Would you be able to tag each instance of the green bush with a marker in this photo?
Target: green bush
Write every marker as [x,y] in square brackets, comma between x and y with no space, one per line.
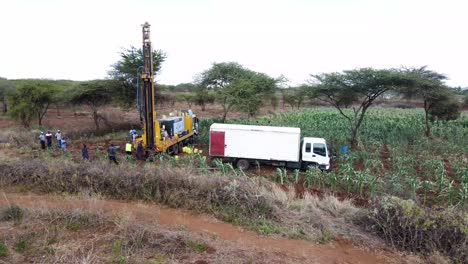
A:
[3,250]
[405,225]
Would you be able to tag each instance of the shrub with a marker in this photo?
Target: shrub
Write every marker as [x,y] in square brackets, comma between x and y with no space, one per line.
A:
[13,213]
[405,225]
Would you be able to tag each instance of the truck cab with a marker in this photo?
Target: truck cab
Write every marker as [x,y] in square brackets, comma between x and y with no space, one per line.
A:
[315,153]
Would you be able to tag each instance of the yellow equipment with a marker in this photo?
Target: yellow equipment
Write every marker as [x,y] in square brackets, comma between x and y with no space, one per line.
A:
[165,134]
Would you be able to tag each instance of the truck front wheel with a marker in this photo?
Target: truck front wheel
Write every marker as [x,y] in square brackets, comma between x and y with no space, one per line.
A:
[243,164]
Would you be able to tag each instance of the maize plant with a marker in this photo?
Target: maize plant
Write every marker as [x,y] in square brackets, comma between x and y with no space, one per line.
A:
[282,175]
[427,187]
[223,167]
[373,184]
[450,193]
[296,176]
[464,193]
[313,177]
[414,184]
[332,180]
[394,183]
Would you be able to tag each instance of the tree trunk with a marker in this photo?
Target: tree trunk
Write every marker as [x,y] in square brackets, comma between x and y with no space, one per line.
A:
[354,141]
[224,115]
[96,120]
[5,108]
[203,107]
[39,119]
[58,109]
[355,128]
[41,114]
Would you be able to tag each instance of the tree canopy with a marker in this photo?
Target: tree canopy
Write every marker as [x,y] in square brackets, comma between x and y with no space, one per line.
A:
[31,99]
[357,90]
[237,87]
[427,85]
[5,87]
[95,94]
[127,69]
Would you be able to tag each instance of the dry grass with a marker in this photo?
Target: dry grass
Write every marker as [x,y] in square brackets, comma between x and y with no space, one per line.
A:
[186,187]
[318,219]
[90,236]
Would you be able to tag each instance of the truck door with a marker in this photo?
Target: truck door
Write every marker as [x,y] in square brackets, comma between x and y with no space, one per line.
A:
[314,152]
[216,143]
[319,153]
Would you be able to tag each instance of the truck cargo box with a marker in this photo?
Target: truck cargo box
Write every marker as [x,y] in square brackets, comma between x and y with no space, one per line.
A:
[255,142]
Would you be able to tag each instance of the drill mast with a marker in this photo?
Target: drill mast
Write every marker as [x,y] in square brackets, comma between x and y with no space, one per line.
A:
[147,76]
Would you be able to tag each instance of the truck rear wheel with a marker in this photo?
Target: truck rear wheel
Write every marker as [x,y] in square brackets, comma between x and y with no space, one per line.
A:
[243,164]
[181,146]
[175,149]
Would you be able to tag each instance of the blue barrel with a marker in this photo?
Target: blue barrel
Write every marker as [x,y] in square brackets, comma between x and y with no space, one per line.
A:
[344,149]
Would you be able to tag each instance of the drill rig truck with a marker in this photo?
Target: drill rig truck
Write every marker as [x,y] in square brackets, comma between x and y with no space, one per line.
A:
[166,134]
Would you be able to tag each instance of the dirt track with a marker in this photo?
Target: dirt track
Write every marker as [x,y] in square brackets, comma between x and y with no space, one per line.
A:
[336,252]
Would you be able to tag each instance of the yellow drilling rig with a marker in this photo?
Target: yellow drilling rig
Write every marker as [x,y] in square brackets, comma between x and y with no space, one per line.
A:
[170,133]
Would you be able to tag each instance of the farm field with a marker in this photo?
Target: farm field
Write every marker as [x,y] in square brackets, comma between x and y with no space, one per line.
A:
[393,159]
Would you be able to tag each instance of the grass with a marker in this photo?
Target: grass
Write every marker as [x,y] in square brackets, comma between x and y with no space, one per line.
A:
[3,250]
[196,246]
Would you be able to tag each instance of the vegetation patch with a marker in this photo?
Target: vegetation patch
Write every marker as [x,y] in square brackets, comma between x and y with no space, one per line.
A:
[3,250]
[196,246]
[405,225]
[12,213]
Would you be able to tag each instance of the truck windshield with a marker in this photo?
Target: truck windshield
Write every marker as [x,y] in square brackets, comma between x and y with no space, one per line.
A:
[320,149]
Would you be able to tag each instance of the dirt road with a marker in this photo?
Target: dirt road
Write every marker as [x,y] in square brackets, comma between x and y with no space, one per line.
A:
[146,213]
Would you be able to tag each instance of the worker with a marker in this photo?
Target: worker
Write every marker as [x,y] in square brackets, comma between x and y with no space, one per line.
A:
[58,136]
[48,137]
[63,144]
[42,140]
[128,148]
[195,120]
[84,152]
[140,151]
[190,113]
[111,151]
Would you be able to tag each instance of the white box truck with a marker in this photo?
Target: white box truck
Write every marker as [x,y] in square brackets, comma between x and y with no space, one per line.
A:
[278,146]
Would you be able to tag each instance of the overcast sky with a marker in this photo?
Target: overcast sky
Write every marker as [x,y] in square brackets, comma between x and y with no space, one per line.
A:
[79,40]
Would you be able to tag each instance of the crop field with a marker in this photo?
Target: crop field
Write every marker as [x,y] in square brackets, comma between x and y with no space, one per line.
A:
[369,194]
[394,157]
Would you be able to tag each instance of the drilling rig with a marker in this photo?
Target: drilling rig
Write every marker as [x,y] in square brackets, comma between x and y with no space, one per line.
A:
[170,133]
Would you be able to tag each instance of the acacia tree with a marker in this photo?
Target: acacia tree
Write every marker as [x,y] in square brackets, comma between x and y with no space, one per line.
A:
[31,99]
[294,96]
[203,97]
[94,94]
[429,86]
[237,87]
[357,90]
[5,87]
[126,72]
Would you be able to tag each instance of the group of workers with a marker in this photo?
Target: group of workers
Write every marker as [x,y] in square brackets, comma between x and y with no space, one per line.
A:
[46,140]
